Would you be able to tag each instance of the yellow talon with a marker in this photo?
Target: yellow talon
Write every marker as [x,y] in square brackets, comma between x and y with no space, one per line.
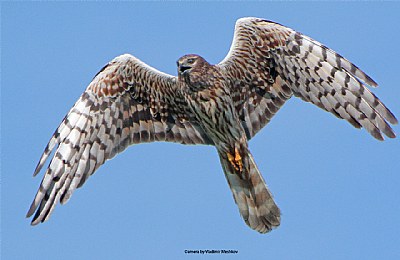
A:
[236,160]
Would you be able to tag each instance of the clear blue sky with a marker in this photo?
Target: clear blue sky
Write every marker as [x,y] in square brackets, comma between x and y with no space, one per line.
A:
[338,188]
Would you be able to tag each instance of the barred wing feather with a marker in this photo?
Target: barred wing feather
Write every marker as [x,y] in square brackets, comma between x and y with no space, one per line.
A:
[127,103]
[268,63]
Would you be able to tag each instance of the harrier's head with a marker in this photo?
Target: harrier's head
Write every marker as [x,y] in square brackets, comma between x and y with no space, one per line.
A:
[189,62]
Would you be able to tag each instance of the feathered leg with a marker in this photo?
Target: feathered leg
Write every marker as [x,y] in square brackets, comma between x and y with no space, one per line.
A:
[250,192]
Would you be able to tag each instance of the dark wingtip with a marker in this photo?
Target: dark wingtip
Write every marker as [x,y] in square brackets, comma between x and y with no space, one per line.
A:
[377,135]
[392,119]
[391,135]
[37,170]
[370,81]
[36,219]
[31,210]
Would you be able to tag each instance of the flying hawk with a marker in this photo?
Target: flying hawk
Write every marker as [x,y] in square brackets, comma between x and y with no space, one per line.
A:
[224,105]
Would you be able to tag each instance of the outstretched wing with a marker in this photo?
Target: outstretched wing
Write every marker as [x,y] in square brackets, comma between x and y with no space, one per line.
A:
[268,62]
[127,103]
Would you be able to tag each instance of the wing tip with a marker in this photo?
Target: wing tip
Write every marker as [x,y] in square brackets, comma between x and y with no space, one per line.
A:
[41,162]
[378,135]
[37,170]
[36,221]
[370,81]
[32,209]
[392,118]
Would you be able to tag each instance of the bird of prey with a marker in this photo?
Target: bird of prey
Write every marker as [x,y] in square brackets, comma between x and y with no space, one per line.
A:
[224,105]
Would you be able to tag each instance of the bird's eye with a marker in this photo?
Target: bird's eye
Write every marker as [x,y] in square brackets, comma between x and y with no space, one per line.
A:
[190,61]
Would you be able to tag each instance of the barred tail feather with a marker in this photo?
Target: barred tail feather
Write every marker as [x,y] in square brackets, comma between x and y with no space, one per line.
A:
[251,194]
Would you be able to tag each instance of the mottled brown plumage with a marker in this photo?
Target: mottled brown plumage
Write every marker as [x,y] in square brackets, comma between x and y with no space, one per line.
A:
[223,105]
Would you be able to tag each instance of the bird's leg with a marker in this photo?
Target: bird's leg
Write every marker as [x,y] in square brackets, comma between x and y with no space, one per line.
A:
[236,160]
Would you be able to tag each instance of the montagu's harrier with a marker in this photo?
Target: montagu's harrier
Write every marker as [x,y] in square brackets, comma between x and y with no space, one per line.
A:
[224,105]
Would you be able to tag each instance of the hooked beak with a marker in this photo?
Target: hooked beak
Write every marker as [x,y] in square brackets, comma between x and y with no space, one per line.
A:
[183,68]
